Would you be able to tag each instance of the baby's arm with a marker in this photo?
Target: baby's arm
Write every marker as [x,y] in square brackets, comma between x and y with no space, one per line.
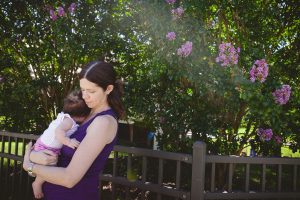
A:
[60,133]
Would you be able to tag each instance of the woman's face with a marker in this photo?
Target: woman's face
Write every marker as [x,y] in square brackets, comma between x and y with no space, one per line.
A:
[93,95]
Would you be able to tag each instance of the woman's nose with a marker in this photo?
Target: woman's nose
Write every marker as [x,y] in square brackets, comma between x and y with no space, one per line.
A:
[84,95]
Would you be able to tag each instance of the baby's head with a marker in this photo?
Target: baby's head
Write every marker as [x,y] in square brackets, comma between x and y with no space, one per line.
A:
[75,106]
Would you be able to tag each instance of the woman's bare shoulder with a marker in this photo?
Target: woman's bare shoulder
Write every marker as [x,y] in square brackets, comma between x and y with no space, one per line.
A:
[104,125]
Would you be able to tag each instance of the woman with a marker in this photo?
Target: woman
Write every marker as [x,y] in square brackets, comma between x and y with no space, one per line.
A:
[76,176]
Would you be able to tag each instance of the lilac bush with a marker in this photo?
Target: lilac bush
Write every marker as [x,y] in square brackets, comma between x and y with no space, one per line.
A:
[228,55]
[53,16]
[171,36]
[234,105]
[61,12]
[265,134]
[72,8]
[282,95]
[259,71]
[185,49]
[177,12]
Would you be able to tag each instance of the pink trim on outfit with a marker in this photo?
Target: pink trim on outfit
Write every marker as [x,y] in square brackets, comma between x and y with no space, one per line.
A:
[39,145]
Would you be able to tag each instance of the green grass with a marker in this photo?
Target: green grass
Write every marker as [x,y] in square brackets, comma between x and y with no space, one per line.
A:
[13,146]
[285,152]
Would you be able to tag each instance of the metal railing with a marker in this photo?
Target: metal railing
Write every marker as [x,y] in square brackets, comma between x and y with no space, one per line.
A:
[137,173]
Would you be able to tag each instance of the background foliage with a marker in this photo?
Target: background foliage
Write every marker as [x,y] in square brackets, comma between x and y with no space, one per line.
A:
[40,56]
[165,92]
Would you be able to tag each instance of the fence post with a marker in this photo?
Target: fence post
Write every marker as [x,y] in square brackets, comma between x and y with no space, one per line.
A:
[198,171]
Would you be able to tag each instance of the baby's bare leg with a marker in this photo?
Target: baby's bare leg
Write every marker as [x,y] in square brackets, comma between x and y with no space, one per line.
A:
[37,188]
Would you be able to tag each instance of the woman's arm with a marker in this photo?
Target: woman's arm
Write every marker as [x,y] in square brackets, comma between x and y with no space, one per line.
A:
[99,133]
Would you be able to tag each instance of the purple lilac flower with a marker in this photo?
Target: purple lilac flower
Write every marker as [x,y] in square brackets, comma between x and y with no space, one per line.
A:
[265,135]
[259,71]
[170,1]
[53,16]
[171,36]
[228,55]
[60,11]
[1,79]
[282,95]
[185,49]
[177,13]
[72,8]
[278,139]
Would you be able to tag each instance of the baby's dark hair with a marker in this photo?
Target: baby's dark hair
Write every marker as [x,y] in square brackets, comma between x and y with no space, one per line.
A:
[75,106]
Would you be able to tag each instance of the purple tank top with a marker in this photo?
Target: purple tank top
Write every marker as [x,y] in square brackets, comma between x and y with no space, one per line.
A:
[87,187]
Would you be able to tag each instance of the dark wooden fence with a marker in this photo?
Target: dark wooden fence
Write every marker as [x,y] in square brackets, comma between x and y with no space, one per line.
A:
[14,182]
[137,173]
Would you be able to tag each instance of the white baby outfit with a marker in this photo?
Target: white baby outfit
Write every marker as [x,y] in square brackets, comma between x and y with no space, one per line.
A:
[48,138]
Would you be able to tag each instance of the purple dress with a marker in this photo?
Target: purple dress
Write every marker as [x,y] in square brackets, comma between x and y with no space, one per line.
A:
[87,187]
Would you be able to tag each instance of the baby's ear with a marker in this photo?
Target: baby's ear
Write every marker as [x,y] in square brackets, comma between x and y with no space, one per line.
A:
[109,89]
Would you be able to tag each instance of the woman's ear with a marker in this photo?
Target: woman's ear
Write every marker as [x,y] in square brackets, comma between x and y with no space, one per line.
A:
[109,89]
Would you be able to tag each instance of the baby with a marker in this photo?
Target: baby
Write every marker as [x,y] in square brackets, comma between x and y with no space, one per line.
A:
[59,131]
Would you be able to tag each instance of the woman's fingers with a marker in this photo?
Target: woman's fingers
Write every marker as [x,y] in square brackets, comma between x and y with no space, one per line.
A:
[26,160]
[28,150]
[29,147]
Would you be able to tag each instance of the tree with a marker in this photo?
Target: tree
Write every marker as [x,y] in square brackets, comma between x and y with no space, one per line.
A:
[220,105]
[166,52]
[43,45]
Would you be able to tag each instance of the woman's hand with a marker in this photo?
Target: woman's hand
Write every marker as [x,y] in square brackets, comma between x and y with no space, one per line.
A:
[26,161]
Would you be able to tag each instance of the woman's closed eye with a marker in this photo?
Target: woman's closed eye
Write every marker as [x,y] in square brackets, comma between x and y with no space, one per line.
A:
[88,91]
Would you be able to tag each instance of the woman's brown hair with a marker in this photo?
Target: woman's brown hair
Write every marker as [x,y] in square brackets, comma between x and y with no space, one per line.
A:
[103,74]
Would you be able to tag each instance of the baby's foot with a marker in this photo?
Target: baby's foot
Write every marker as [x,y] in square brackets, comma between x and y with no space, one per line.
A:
[37,190]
